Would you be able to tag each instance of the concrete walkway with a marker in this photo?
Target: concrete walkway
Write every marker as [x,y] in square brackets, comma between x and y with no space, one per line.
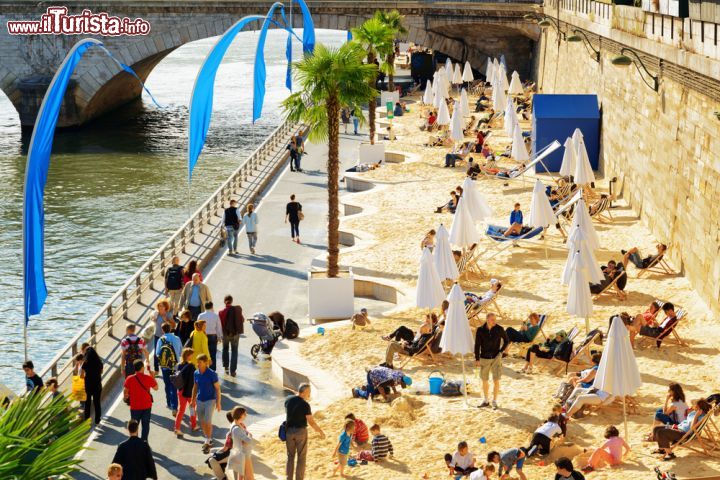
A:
[272,279]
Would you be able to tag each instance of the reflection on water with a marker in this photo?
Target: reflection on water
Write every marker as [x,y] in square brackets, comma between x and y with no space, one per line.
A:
[118,188]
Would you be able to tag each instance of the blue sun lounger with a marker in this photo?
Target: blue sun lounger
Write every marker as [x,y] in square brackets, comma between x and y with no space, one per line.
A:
[496,233]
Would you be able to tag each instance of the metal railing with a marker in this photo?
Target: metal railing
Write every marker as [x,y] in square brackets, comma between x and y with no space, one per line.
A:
[131,293]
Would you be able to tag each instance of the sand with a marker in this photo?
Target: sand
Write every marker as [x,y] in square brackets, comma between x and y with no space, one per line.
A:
[424,427]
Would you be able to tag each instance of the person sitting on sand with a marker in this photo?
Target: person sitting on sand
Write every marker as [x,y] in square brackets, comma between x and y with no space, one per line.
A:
[582,397]
[451,205]
[516,222]
[382,381]
[557,410]
[542,438]
[360,320]
[381,447]
[474,169]
[398,111]
[506,460]
[389,135]
[361,437]
[564,470]
[429,124]
[403,333]
[528,330]
[633,255]
[610,453]
[428,241]
[653,329]
[611,271]
[461,462]
[667,435]
[485,473]
[546,350]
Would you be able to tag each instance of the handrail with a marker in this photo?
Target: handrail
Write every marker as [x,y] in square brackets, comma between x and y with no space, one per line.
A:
[131,292]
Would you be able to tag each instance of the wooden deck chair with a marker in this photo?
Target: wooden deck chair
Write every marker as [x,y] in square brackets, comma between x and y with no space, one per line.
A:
[520,174]
[425,350]
[465,258]
[541,324]
[613,289]
[601,209]
[572,335]
[581,356]
[705,439]
[669,330]
[658,265]
[474,310]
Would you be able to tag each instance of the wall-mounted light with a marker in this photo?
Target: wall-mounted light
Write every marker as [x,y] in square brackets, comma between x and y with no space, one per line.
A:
[580,36]
[629,56]
[545,22]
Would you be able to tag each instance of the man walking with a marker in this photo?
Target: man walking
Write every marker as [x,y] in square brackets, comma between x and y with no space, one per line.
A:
[135,456]
[168,351]
[136,392]
[298,416]
[132,348]
[250,220]
[233,325]
[195,295]
[232,226]
[174,285]
[33,381]
[490,343]
[213,330]
[205,398]
[293,211]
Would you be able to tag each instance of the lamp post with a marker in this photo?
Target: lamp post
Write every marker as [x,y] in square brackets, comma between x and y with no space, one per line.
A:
[580,36]
[624,60]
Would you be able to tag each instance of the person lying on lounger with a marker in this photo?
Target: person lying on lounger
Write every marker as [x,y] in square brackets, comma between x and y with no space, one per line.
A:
[441,140]
[516,222]
[546,350]
[403,333]
[528,330]
[633,255]
[458,153]
[585,378]
[610,271]
[495,286]
[653,329]
[666,435]
[451,205]
[584,397]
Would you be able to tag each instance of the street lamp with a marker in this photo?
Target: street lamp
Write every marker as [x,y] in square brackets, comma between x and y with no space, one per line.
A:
[624,60]
[544,22]
[580,36]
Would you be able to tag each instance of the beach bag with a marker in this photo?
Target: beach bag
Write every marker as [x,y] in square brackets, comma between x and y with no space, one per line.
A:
[166,356]
[301,216]
[177,379]
[292,330]
[564,350]
[452,388]
[564,391]
[282,431]
[77,391]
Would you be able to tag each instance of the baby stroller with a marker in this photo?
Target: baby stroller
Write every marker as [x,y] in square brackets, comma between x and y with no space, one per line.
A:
[267,331]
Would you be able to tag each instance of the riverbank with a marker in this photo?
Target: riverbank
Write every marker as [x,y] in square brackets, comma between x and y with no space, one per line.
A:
[403,214]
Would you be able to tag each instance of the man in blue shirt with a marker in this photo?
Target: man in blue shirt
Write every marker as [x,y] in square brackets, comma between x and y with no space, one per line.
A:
[516,222]
[168,351]
[205,396]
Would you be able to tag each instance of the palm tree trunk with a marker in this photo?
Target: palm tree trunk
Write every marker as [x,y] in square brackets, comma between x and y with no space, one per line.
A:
[391,77]
[372,104]
[333,166]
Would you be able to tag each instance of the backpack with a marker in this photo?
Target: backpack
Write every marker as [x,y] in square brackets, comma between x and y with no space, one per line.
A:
[291,329]
[173,278]
[177,379]
[564,350]
[167,358]
[282,431]
[452,388]
[132,352]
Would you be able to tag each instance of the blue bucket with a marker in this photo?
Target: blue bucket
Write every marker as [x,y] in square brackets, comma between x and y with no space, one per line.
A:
[436,383]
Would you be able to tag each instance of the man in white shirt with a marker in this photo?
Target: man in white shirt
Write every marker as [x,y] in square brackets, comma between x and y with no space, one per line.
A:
[213,330]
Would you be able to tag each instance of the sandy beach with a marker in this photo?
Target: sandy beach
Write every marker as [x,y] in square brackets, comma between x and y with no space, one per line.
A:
[422,427]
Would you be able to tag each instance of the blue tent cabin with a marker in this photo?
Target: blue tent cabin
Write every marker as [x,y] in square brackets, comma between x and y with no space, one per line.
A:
[555,117]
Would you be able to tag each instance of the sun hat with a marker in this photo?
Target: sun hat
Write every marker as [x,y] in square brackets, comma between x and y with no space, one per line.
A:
[407,380]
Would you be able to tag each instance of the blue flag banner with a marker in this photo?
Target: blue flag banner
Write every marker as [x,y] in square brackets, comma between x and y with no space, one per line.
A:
[36,171]
[349,36]
[201,99]
[288,55]
[308,28]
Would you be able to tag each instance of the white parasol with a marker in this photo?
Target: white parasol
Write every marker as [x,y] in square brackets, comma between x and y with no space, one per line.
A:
[577,242]
[510,117]
[464,103]
[581,220]
[489,70]
[448,68]
[583,170]
[456,124]
[519,151]
[567,167]
[462,231]
[467,75]
[579,302]
[443,257]
[541,212]
[457,75]
[428,97]
[430,292]
[516,87]
[456,337]
[476,204]
[443,114]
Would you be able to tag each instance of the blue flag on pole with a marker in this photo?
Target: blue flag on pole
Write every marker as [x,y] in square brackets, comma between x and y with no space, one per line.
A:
[288,55]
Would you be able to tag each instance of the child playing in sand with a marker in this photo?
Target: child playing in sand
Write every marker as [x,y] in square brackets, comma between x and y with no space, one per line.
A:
[381,447]
[342,449]
[542,437]
[361,437]
[506,460]
[462,461]
[610,453]
[484,473]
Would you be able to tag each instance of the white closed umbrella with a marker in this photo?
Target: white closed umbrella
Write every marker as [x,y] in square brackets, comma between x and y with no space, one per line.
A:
[579,302]
[489,70]
[436,75]
[443,257]
[467,75]
[439,98]
[464,103]
[579,243]
[583,170]
[582,221]
[618,372]
[515,87]
[502,61]
[457,337]
[499,101]
[519,151]
[428,96]
[443,114]
[462,231]
[541,212]
[442,84]
[502,81]
[456,124]
[567,167]
[430,292]
[457,75]
[510,117]
[479,208]
[448,68]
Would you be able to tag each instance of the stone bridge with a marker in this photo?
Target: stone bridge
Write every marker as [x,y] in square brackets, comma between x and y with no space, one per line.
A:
[463,30]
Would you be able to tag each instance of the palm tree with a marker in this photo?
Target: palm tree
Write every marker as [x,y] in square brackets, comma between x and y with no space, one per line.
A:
[394,20]
[377,39]
[329,80]
[39,438]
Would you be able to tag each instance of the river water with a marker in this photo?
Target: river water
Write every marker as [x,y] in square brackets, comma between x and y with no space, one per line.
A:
[118,188]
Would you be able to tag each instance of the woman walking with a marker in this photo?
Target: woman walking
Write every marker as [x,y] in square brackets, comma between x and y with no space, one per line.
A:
[250,220]
[186,370]
[92,368]
[240,460]
[293,214]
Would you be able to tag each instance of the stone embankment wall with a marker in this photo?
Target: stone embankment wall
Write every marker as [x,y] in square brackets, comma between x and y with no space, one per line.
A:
[664,147]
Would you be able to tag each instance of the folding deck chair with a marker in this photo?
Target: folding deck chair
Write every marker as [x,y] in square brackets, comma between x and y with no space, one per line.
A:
[465,259]
[425,350]
[581,354]
[539,156]
[668,330]
[601,209]
[613,289]
[658,265]
[474,310]
[705,439]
